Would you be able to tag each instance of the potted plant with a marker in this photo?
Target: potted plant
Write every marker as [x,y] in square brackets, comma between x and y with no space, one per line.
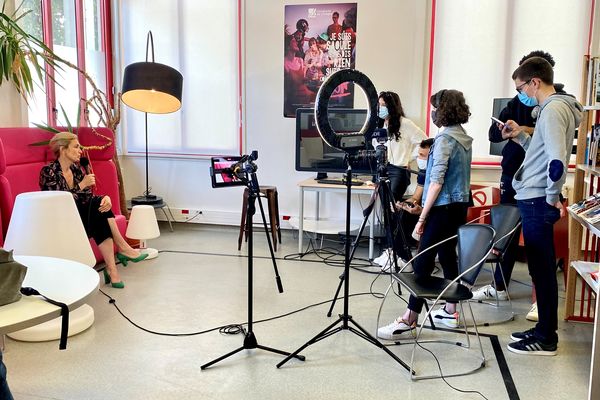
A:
[22,58]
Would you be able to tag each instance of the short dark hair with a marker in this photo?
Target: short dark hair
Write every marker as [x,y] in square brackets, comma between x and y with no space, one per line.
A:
[535,67]
[426,143]
[539,53]
[452,109]
[335,14]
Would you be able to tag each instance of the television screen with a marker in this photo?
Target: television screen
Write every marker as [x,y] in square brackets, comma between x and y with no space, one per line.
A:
[313,154]
[498,105]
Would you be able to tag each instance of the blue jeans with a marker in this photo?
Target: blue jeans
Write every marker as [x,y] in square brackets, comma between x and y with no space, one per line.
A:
[4,390]
[538,219]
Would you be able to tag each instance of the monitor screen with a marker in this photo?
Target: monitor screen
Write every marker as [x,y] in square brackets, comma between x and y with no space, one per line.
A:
[313,154]
[498,105]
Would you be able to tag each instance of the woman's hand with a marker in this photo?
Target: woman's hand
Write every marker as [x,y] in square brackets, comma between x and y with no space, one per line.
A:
[105,204]
[420,227]
[87,181]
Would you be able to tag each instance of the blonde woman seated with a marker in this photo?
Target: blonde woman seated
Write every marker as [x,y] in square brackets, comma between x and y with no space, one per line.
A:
[95,211]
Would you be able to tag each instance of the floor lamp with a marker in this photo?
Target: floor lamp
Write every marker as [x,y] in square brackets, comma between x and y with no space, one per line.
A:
[153,88]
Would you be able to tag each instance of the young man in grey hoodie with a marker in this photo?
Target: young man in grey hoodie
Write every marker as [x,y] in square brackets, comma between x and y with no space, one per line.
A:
[538,184]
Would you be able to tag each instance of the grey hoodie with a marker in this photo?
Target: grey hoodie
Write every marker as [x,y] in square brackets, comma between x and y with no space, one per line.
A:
[544,169]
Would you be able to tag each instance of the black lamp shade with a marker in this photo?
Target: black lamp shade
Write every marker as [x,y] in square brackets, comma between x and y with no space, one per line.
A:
[152,87]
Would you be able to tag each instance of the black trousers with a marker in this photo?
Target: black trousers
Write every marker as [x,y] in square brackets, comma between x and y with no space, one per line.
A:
[442,223]
[95,222]
[539,218]
[399,181]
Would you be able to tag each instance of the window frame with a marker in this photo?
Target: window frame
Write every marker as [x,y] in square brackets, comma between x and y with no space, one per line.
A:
[106,42]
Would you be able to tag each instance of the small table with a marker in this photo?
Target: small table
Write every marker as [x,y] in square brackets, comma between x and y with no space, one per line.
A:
[62,280]
[161,205]
[313,186]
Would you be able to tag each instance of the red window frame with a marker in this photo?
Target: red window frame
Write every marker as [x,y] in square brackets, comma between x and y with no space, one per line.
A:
[105,15]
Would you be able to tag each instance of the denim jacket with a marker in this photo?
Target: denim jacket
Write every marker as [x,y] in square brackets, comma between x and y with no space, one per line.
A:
[449,164]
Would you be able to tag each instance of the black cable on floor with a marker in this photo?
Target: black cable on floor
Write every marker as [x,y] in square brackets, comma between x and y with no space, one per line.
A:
[230,329]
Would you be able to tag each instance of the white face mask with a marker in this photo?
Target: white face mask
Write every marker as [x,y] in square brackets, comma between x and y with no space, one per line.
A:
[422,163]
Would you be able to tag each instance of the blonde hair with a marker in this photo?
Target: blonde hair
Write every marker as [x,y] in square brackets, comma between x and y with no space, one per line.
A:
[60,140]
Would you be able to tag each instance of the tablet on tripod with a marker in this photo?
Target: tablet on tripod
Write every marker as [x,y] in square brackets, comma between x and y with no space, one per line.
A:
[227,171]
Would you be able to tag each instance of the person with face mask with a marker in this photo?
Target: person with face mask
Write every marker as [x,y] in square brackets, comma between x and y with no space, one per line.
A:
[520,110]
[404,138]
[446,197]
[538,184]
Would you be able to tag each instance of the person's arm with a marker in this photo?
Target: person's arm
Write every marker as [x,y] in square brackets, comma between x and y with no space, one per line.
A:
[432,194]
[555,147]
[441,155]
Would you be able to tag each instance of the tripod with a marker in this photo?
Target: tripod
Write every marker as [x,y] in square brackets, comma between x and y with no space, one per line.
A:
[384,193]
[250,341]
[345,319]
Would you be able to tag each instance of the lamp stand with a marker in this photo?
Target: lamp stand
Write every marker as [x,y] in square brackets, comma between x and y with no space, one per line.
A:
[146,198]
[152,253]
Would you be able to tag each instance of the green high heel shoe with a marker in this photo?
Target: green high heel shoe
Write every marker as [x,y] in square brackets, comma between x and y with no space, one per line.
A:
[116,285]
[124,259]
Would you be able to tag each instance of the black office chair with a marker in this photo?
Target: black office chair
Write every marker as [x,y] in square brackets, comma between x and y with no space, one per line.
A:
[506,221]
[474,246]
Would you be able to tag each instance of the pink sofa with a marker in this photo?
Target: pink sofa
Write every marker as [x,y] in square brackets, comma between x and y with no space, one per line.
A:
[20,166]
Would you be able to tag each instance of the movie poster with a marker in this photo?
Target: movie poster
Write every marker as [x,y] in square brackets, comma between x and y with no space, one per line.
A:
[319,39]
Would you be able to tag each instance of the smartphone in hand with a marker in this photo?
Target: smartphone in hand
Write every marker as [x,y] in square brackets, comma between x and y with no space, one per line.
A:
[496,120]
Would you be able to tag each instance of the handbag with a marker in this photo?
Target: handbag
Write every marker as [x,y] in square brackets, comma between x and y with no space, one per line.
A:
[12,275]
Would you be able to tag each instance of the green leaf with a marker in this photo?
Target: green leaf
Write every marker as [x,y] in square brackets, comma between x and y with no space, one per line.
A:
[47,128]
[43,143]
[69,127]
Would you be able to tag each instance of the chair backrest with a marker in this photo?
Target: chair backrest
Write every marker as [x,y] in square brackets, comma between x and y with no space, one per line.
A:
[504,218]
[474,243]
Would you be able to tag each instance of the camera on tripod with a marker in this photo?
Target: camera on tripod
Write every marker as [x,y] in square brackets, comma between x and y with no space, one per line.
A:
[232,170]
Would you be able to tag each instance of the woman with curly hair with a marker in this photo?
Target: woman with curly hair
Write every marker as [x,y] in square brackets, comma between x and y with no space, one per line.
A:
[446,197]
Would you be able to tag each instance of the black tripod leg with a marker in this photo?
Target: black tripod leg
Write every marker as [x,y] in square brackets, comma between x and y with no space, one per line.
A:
[321,335]
[367,336]
[216,360]
[264,220]
[284,353]
[361,229]
[335,296]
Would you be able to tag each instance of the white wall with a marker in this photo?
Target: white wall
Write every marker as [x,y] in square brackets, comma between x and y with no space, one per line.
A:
[392,49]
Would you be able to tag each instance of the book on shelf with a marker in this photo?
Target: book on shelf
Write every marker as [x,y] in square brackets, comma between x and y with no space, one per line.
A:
[593,82]
[585,204]
[593,156]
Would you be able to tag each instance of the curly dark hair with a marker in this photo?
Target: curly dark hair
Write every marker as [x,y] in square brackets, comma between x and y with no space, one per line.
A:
[394,106]
[451,107]
[539,53]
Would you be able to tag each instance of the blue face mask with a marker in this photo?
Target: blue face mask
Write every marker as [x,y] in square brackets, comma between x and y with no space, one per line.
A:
[383,112]
[528,101]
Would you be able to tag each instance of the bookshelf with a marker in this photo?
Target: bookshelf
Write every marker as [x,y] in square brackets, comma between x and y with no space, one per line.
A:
[584,235]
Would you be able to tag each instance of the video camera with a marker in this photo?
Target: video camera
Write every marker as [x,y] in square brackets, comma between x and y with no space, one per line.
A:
[232,170]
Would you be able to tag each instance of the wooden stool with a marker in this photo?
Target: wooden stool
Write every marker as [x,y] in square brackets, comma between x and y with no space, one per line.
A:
[270,192]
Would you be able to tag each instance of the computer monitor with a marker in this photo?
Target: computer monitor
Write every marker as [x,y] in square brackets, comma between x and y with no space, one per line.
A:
[498,105]
[313,154]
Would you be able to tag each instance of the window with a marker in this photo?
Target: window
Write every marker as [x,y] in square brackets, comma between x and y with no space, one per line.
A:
[76,30]
[199,38]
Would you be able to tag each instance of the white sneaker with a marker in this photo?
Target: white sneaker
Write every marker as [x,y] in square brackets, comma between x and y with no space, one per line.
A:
[532,315]
[488,292]
[440,316]
[382,259]
[396,330]
[387,268]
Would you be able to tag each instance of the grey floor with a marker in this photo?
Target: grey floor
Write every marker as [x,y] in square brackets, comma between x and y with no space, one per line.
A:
[198,282]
